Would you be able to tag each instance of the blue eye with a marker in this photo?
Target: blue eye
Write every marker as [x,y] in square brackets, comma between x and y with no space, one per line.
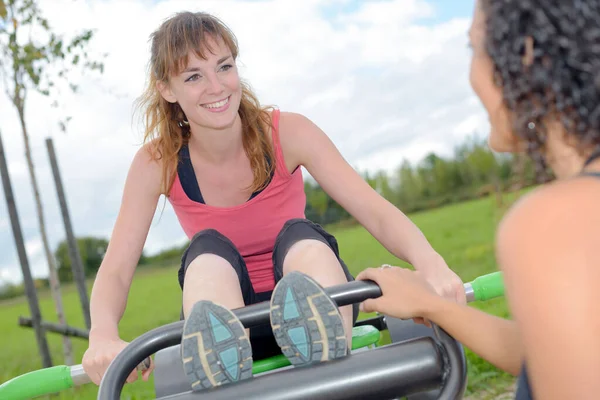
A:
[226,67]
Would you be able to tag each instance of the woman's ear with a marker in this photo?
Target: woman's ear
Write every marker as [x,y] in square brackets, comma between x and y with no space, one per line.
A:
[166,92]
[528,54]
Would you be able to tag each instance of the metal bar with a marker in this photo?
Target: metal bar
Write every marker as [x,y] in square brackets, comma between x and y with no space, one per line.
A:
[455,362]
[469,292]
[170,334]
[387,372]
[78,375]
[378,322]
[343,295]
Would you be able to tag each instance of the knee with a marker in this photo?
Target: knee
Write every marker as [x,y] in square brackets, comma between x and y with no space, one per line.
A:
[208,234]
[209,239]
[212,243]
[308,248]
[298,228]
[302,236]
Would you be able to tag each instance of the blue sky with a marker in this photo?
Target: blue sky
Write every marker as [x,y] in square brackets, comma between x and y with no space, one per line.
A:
[448,9]
[444,10]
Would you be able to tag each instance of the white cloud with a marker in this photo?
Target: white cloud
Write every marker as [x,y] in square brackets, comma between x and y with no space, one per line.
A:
[382,86]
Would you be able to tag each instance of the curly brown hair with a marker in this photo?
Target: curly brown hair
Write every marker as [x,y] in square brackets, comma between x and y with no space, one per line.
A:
[560,82]
[165,123]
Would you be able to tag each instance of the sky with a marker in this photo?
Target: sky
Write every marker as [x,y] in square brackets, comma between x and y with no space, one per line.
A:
[387,80]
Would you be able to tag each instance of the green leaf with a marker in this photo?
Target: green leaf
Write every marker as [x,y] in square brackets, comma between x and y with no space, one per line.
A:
[3,12]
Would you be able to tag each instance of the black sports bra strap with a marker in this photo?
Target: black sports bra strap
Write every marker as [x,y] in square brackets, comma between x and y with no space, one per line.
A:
[595,154]
[590,173]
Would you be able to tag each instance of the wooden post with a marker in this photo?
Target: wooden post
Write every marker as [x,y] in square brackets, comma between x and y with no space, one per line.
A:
[64,330]
[30,291]
[74,255]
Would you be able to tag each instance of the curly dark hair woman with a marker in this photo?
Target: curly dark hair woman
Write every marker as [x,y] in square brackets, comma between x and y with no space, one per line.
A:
[546,60]
[536,69]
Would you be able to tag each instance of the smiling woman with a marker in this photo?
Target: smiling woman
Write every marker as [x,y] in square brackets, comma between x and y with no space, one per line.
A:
[231,170]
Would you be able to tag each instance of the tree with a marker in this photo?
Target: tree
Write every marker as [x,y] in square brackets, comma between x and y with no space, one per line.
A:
[34,58]
[92,252]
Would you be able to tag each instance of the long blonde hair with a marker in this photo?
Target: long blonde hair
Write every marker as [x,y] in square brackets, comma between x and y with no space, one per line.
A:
[165,124]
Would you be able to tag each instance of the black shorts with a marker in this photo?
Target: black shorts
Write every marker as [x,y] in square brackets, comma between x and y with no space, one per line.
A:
[213,242]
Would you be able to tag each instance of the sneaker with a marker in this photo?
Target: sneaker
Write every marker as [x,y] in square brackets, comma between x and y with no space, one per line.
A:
[306,322]
[215,349]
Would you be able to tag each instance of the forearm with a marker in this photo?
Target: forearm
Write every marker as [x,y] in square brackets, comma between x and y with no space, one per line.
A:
[401,237]
[494,339]
[107,305]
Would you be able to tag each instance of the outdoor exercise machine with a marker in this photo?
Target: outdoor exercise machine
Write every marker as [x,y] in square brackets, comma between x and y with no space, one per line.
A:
[420,362]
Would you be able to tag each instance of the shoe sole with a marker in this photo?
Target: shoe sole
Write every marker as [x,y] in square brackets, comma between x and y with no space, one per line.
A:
[306,322]
[215,349]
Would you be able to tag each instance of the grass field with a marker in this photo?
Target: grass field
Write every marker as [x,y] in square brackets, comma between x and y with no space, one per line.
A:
[462,233]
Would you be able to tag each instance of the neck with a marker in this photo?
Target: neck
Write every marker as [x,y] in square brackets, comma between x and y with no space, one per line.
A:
[565,167]
[217,145]
[567,162]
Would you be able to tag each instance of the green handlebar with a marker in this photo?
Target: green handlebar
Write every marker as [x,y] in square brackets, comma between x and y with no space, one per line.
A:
[488,286]
[37,383]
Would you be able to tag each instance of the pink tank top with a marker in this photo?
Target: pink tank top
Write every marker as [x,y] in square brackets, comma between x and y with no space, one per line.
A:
[254,225]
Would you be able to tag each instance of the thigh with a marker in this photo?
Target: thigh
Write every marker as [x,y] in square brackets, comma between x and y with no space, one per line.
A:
[298,229]
[211,241]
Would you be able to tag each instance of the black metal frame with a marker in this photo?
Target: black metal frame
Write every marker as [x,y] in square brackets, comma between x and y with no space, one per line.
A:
[386,372]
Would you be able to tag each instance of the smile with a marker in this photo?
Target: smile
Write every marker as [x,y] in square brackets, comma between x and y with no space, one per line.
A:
[218,104]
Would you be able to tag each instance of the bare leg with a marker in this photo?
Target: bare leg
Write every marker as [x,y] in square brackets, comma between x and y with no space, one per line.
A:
[211,277]
[214,349]
[315,259]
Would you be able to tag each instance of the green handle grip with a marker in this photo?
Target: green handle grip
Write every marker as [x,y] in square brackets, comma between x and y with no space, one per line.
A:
[37,383]
[487,287]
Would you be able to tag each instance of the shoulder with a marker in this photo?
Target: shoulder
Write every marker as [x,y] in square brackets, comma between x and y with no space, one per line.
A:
[561,217]
[148,156]
[146,166]
[298,130]
[292,125]
[301,138]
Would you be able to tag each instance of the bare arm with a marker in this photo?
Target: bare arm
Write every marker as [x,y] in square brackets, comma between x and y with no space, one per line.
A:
[306,144]
[309,146]
[111,287]
[405,294]
[494,339]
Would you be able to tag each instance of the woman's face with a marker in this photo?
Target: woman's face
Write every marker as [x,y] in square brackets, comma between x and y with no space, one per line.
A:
[501,137]
[208,91]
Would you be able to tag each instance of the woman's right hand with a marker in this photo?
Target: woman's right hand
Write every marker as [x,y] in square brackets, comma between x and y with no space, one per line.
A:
[406,294]
[100,354]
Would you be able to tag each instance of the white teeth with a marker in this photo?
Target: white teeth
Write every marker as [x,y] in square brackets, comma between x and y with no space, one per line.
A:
[217,104]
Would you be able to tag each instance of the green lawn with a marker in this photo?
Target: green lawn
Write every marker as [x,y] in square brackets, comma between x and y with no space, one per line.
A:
[462,233]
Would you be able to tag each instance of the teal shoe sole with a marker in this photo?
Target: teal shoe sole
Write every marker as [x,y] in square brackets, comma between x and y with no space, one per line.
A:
[215,349]
[306,323]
